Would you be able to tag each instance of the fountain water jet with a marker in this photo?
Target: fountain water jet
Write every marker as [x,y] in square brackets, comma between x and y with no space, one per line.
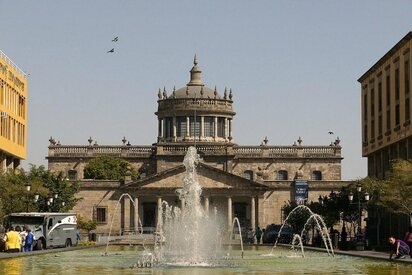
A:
[236,221]
[114,213]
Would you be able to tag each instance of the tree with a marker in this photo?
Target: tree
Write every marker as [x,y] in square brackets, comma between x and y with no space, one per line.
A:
[395,192]
[108,168]
[86,224]
[15,198]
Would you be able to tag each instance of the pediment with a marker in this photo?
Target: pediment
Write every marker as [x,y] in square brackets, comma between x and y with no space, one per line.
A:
[208,177]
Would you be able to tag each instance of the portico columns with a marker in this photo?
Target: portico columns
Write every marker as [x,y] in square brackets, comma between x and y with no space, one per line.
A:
[126,213]
[230,128]
[136,214]
[252,213]
[207,206]
[159,213]
[229,213]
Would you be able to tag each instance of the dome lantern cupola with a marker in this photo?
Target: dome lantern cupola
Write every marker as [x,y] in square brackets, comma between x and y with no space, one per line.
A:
[195,112]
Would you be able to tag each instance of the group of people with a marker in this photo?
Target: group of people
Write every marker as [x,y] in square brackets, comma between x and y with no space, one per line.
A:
[18,239]
[251,234]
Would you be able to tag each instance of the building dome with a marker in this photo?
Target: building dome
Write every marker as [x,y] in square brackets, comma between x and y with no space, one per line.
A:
[195,112]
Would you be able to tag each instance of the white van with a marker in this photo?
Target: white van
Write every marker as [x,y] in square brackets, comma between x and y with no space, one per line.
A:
[49,229]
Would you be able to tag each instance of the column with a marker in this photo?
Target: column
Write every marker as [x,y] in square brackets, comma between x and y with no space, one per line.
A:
[252,213]
[229,213]
[202,127]
[136,214]
[158,214]
[230,128]
[126,213]
[187,126]
[215,127]
[159,128]
[207,206]
[162,129]
[174,128]
[226,128]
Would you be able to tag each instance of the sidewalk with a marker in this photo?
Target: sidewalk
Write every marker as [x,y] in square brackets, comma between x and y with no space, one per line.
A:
[4,255]
[364,254]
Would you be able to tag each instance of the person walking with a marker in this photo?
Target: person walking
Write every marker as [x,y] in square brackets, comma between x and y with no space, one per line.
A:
[258,234]
[29,240]
[408,240]
[399,248]
[22,234]
[12,240]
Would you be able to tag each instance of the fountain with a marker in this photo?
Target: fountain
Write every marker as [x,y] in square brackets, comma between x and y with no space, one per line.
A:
[113,216]
[297,237]
[183,235]
[320,226]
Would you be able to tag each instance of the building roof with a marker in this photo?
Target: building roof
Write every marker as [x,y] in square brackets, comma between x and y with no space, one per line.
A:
[398,45]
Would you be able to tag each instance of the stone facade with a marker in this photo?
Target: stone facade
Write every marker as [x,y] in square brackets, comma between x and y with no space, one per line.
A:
[249,182]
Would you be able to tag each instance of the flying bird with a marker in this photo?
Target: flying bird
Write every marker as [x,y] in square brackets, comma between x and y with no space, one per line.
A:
[111,51]
[115,39]
[331,133]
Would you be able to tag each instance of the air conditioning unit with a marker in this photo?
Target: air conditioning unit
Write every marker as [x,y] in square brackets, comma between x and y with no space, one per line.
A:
[4,115]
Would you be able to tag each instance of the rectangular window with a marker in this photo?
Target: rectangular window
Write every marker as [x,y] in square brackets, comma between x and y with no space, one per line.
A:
[380,125]
[101,214]
[397,115]
[407,110]
[365,107]
[168,127]
[388,89]
[221,127]
[380,96]
[372,101]
[181,126]
[365,133]
[397,91]
[195,127]
[388,120]
[209,126]
[406,76]
[372,129]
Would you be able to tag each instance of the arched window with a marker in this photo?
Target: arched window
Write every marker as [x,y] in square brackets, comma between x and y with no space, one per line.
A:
[282,175]
[316,175]
[248,174]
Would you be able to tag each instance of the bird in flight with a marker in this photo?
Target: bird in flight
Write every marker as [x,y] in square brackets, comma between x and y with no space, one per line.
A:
[111,51]
[115,39]
[331,133]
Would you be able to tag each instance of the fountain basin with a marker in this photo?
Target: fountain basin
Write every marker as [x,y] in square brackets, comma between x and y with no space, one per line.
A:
[257,259]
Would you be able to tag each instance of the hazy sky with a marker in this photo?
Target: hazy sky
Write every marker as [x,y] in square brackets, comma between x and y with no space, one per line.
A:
[293,66]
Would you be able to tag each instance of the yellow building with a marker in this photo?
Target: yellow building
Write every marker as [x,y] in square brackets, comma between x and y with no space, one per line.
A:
[386,109]
[13,114]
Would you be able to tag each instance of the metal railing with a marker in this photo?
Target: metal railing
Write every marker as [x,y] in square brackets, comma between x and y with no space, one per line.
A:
[12,64]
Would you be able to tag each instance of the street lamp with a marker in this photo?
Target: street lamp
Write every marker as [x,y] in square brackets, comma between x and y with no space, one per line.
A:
[366,198]
[28,187]
[36,197]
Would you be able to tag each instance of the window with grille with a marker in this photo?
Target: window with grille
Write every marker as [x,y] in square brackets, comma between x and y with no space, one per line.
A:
[316,175]
[101,214]
[221,127]
[282,175]
[248,174]
[181,126]
[194,127]
[209,126]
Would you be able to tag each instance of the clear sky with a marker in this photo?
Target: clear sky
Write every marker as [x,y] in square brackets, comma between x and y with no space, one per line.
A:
[293,66]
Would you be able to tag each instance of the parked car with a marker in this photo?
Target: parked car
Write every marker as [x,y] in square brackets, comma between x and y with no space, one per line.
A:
[272,231]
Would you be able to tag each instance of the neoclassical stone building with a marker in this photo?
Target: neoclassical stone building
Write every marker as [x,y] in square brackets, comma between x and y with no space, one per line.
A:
[248,182]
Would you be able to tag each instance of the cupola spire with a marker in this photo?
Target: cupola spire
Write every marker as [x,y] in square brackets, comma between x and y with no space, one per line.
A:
[195,74]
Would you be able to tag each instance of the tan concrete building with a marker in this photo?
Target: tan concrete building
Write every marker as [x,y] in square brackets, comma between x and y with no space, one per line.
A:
[248,182]
[386,109]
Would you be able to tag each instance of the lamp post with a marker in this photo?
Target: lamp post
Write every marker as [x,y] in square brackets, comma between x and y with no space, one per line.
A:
[366,198]
[28,187]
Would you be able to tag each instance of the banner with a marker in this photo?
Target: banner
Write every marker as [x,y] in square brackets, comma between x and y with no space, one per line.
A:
[301,190]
